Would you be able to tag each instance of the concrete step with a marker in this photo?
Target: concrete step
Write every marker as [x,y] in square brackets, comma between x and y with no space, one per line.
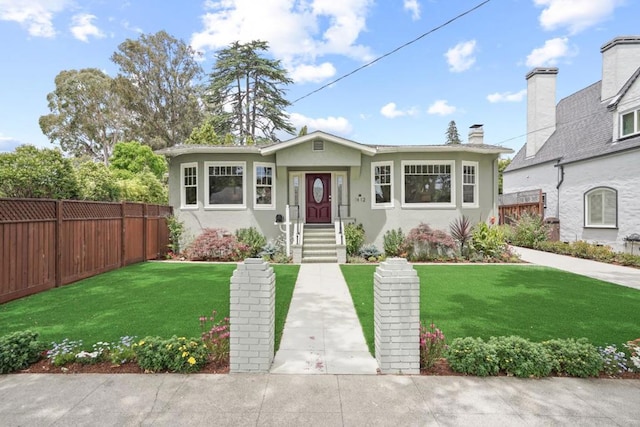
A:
[319,253]
[319,259]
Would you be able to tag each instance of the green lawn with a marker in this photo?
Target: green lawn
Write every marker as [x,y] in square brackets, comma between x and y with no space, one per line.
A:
[491,300]
[152,298]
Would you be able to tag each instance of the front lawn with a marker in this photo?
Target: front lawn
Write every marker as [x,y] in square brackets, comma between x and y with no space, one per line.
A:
[153,298]
[537,303]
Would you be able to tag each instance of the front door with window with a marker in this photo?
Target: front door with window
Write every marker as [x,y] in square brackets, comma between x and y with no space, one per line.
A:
[318,198]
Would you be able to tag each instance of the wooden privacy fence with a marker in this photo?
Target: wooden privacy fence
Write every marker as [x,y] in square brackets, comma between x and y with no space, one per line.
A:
[512,205]
[49,243]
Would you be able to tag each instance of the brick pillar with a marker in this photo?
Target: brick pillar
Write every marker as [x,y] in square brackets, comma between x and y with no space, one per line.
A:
[397,317]
[252,316]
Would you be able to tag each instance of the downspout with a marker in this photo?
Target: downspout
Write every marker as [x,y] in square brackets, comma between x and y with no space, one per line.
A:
[560,181]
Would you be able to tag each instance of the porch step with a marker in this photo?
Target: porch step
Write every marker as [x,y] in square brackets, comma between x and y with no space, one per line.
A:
[319,244]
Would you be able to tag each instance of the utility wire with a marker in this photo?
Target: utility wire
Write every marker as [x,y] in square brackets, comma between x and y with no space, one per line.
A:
[393,51]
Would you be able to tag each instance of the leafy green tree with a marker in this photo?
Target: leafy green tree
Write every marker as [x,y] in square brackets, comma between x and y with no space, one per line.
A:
[453,137]
[303,131]
[158,83]
[96,182]
[502,165]
[205,134]
[87,117]
[136,158]
[246,91]
[141,187]
[29,172]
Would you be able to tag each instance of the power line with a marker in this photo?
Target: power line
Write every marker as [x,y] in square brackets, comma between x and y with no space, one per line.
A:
[393,51]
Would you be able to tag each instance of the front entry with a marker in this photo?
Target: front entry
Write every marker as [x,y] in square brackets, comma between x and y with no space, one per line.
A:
[318,198]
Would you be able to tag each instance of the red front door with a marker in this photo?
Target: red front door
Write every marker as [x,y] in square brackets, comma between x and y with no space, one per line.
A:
[318,198]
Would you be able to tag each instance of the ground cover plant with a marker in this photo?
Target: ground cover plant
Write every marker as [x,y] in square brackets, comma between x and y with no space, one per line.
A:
[147,299]
[531,302]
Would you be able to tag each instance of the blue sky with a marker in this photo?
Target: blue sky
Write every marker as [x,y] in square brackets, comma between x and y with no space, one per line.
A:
[470,71]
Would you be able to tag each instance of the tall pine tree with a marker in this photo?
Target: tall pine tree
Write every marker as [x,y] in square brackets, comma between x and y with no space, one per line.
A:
[452,134]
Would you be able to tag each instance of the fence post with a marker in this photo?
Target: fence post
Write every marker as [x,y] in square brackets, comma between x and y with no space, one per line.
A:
[145,233]
[397,317]
[58,243]
[252,316]
[123,236]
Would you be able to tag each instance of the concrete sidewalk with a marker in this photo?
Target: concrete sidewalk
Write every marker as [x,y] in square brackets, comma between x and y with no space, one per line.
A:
[323,400]
[625,276]
[322,333]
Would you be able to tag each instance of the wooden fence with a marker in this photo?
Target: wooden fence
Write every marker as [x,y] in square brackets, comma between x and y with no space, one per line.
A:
[49,243]
[512,205]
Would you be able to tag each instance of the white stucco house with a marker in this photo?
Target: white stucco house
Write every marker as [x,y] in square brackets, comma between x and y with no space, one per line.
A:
[318,182]
[584,151]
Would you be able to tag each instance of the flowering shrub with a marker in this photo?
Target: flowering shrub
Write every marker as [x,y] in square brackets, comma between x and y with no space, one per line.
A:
[64,352]
[216,244]
[432,345]
[182,355]
[576,358]
[18,350]
[521,357]
[634,349]
[614,361]
[473,356]
[215,335]
[488,241]
[424,243]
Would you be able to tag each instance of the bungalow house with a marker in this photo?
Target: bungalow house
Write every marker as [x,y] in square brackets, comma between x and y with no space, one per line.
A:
[584,152]
[313,184]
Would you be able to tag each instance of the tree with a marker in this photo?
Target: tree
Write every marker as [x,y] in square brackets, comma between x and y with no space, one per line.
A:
[29,172]
[502,165]
[158,83]
[303,131]
[136,158]
[96,182]
[452,133]
[246,91]
[87,117]
[205,134]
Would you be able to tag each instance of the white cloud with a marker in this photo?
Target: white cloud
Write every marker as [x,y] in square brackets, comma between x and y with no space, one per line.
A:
[507,96]
[337,125]
[8,144]
[298,31]
[549,54]
[460,57]
[82,27]
[442,108]
[391,111]
[575,15]
[414,7]
[312,73]
[34,15]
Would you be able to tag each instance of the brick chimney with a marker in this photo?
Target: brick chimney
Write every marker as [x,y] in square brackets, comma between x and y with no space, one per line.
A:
[541,107]
[620,59]
[476,134]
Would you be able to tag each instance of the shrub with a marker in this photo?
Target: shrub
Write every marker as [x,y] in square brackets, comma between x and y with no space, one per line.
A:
[521,357]
[18,350]
[392,242]
[215,335]
[582,249]
[176,229]
[432,345]
[122,351]
[576,358]
[370,252]
[528,230]
[461,232]
[634,351]
[216,244]
[275,250]
[251,237]
[614,361]
[424,243]
[488,241]
[182,355]
[473,356]
[629,260]
[64,352]
[354,238]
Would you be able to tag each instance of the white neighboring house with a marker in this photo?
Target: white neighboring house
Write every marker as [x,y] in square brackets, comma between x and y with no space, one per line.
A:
[584,152]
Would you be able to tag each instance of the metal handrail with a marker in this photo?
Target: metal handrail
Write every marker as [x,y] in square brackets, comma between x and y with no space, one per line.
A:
[297,237]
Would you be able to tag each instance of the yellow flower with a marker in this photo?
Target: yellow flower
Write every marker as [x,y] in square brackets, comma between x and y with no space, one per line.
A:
[191,361]
[185,353]
[141,342]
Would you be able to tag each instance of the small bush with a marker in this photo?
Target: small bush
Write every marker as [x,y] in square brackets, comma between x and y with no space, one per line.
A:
[582,249]
[488,241]
[215,335]
[354,238]
[473,356]
[576,358]
[254,240]
[175,354]
[370,252]
[216,244]
[18,350]
[176,229]
[64,352]
[433,345]
[528,230]
[461,232]
[424,244]
[633,347]
[629,260]
[521,357]
[614,361]
[392,242]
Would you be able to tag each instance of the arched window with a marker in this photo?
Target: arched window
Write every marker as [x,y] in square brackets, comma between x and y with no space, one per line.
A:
[601,208]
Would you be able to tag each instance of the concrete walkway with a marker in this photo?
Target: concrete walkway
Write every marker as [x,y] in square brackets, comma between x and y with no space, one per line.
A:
[322,333]
[308,400]
[625,276]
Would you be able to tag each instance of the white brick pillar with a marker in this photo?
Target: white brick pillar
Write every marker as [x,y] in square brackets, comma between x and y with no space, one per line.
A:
[397,317]
[252,316]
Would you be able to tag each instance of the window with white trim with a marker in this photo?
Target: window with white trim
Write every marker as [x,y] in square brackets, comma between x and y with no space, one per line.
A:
[630,123]
[189,183]
[225,184]
[382,184]
[470,183]
[601,208]
[264,185]
[428,184]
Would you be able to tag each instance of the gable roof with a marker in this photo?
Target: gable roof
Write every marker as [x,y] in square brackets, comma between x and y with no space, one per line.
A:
[369,150]
[584,130]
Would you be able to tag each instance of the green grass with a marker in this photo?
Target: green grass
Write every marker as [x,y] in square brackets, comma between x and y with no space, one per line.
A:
[162,299]
[537,303]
